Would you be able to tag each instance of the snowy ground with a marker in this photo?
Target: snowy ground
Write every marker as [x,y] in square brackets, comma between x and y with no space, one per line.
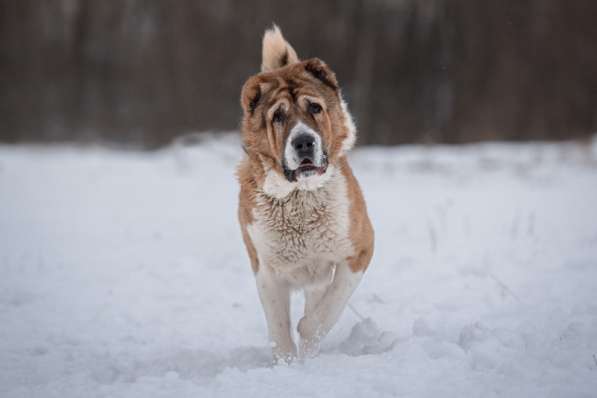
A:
[123,274]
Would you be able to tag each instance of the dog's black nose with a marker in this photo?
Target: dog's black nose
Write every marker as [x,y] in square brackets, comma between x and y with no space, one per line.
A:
[304,145]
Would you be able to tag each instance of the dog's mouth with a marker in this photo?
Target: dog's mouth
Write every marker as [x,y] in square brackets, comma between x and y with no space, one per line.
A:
[306,169]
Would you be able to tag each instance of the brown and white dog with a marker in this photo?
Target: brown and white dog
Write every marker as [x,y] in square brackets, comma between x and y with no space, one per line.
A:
[301,211]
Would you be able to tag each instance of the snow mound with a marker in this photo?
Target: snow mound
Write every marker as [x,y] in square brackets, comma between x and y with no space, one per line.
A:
[366,338]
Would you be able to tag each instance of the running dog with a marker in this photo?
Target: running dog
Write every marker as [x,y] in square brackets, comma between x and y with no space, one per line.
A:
[301,211]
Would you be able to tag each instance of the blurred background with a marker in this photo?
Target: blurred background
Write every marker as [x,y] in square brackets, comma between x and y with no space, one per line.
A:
[123,272]
[142,72]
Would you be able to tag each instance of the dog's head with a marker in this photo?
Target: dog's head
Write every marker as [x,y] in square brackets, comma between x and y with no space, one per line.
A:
[295,122]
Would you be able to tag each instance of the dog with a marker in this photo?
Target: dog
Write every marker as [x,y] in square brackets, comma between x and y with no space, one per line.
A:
[302,214]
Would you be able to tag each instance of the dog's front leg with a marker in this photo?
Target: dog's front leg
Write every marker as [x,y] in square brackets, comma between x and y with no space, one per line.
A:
[321,317]
[309,347]
[275,299]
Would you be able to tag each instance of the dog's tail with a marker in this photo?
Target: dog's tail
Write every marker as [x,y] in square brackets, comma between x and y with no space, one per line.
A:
[277,52]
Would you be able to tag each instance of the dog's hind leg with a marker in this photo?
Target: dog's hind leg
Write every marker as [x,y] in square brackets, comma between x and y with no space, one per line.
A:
[320,319]
[275,299]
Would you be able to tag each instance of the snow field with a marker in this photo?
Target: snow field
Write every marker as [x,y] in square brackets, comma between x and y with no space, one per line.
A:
[123,274]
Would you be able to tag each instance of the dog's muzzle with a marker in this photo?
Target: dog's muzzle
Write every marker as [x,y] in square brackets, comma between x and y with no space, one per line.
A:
[304,147]
[303,155]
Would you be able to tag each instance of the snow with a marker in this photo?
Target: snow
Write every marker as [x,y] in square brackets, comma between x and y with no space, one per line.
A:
[123,274]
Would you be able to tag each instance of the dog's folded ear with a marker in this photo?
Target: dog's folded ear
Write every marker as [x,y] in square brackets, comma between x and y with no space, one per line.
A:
[277,52]
[252,93]
[319,70]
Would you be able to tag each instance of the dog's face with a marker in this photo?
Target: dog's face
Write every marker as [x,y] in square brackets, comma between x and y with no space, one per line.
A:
[295,121]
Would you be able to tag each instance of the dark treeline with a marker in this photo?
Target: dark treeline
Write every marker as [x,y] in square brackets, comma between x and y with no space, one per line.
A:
[145,71]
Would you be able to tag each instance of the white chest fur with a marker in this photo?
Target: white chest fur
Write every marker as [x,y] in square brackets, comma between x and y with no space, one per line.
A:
[304,235]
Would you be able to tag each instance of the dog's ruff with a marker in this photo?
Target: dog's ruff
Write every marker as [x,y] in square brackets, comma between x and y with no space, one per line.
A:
[300,237]
[305,225]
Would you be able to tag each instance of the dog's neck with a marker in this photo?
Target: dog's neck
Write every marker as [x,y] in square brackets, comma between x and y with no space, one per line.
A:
[301,210]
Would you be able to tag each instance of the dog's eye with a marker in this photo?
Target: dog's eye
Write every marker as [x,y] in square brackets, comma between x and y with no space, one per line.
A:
[313,108]
[279,116]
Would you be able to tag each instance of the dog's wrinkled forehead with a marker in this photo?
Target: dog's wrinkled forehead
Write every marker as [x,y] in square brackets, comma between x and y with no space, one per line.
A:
[310,77]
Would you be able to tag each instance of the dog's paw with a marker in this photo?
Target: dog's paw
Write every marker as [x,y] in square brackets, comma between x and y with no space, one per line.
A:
[310,330]
[283,358]
[309,348]
[284,355]
[308,327]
